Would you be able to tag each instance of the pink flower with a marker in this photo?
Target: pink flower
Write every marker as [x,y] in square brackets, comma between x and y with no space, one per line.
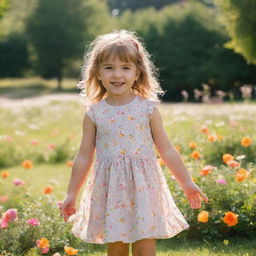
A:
[44,250]
[3,198]
[59,204]
[18,182]
[33,222]
[51,146]
[221,181]
[10,215]
[34,142]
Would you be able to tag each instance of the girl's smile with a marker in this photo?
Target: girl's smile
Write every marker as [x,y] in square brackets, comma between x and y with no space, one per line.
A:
[117,76]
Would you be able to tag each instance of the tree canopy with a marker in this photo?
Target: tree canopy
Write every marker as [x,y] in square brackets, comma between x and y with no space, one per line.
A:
[239,17]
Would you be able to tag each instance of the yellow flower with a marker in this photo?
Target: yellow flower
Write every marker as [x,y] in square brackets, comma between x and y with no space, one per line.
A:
[226,242]
[70,250]
[203,216]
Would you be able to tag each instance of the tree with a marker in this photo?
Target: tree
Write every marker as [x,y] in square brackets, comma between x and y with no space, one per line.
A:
[3,6]
[239,17]
[58,30]
[135,4]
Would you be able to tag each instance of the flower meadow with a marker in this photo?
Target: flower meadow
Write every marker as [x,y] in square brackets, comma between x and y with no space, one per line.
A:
[38,144]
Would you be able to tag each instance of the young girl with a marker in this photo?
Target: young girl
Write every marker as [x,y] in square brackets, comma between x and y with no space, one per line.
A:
[126,199]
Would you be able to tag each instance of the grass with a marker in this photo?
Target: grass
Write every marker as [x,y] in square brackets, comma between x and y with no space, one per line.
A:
[57,120]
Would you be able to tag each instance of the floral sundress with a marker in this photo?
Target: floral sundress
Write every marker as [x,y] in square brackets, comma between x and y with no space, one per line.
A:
[126,197]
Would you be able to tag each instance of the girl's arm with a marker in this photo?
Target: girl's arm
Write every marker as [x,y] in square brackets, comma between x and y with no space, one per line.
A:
[83,159]
[174,162]
[81,167]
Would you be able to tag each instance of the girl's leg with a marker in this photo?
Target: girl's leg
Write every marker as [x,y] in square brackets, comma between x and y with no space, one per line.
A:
[144,247]
[118,249]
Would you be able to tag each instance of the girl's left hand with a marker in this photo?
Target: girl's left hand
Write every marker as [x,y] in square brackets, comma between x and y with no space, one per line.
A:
[194,195]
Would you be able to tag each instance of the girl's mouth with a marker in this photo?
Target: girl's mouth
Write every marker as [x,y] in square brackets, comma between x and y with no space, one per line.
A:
[117,84]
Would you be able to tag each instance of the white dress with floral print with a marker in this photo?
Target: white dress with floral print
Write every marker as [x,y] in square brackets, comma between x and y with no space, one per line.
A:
[126,197]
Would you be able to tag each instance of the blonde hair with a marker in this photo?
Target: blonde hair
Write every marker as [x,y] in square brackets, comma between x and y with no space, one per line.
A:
[127,47]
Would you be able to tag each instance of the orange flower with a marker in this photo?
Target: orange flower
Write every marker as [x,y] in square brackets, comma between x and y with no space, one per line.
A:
[246,141]
[230,219]
[233,163]
[204,129]
[203,216]
[69,163]
[48,190]
[195,155]
[242,174]
[27,164]
[227,157]
[42,243]
[192,145]
[212,137]
[5,174]
[206,170]
[178,148]
[70,250]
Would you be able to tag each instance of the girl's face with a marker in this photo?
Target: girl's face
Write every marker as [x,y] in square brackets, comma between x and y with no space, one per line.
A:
[117,76]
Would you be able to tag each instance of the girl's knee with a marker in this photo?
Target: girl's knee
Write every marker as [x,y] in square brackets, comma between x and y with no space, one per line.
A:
[145,247]
[117,249]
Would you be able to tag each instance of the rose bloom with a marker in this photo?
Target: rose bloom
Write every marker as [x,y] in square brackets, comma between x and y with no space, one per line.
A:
[221,181]
[33,222]
[51,146]
[203,216]
[5,174]
[34,142]
[48,190]
[27,164]
[206,170]
[230,218]
[204,129]
[227,157]
[4,198]
[43,245]
[212,137]
[246,141]
[192,145]
[18,182]
[195,155]
[233,163]
[242,174]
[70,250]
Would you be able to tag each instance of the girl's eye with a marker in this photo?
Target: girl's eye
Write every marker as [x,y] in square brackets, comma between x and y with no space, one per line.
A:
[126,68]
[108,67]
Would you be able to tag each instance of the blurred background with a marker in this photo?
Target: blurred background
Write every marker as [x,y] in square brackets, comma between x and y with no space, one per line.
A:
[205,49]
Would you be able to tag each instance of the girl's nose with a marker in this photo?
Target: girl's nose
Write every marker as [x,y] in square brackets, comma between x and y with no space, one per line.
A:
[117,73]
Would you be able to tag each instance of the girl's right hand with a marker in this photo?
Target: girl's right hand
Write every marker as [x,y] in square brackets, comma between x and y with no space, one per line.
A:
[68,207]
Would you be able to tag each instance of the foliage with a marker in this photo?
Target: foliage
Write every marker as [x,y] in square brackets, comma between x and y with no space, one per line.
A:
[187,48]
[233,121]
[240,21]
[58,30]
[134,5]
[14,56]
[3,6]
